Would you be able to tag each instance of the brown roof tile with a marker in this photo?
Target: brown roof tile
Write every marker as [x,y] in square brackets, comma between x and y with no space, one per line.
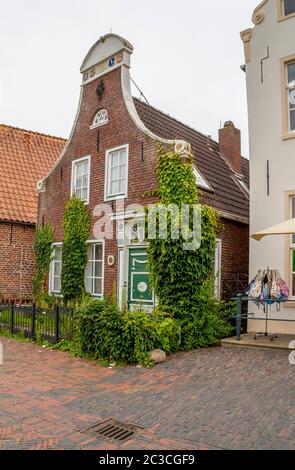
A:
[227,196]
[25,157]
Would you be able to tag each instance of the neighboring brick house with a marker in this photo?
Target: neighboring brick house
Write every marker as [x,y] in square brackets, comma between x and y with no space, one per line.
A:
[111,155]
[24,157]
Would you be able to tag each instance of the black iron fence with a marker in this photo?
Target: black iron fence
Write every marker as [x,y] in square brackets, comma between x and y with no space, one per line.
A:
[35,322]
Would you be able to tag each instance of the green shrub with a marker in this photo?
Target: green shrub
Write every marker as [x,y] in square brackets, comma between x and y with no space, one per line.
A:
[207,322]
[105,332]
[101,331]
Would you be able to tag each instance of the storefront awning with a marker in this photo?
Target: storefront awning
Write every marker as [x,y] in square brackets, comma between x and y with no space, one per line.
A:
[285,228]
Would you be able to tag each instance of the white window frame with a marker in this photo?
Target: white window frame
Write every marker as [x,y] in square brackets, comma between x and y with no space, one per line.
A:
[51,272]
[291,249]
[74,162]
[288,96]
[92,243]
[217,268]
[203,184]
[242,185]
[124,195]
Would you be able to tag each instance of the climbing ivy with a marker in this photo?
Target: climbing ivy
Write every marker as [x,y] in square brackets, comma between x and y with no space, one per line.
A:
[43,253]
[178,274]
[76,227]
[183,279]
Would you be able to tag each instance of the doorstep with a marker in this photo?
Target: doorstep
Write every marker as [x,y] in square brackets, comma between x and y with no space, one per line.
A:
[248,340]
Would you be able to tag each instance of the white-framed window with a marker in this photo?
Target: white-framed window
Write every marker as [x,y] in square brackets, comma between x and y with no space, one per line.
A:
[292,248]
[55,269]
[288,7]
[116,173]
[94,273]
[290,74]
[81,179]
[101,118]
[242,184]
[217,269]
[200,180]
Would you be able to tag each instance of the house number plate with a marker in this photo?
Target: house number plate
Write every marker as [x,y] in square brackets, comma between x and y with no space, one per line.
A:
[142,287]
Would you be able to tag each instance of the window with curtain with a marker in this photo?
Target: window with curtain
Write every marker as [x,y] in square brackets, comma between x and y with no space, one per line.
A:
[116,173]
[56,270]
[80,178]
[291,94]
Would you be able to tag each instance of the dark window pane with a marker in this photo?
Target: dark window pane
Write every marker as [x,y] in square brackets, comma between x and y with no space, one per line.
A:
[97,287]
[98,251]
[291,72]
[292,120]
[289,7]
[293,285]
[293,261]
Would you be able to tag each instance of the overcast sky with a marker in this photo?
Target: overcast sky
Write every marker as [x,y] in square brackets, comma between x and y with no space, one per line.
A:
[187,57]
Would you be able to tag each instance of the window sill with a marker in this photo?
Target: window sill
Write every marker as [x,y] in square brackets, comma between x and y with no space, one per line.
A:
[114,198]
[290,304]
[287,17]
[288,136]
[98,125]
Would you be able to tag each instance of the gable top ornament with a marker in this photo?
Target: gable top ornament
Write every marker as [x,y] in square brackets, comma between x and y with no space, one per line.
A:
[258,14]
[183,149]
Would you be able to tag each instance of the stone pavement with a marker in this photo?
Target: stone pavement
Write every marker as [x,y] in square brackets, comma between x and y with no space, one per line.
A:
[217,398]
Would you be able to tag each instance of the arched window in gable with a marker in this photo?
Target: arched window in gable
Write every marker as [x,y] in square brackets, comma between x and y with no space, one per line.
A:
[101,118]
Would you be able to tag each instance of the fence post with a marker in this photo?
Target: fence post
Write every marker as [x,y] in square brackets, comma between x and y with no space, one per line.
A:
[56,333]
[239,316]
[34,321]
[12,318]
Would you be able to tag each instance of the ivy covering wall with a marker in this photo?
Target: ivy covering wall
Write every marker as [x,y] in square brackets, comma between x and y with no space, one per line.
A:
[184,279]
[76,226]
[43,253]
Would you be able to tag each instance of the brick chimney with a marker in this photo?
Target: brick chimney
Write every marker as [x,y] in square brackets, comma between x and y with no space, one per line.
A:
[230,146]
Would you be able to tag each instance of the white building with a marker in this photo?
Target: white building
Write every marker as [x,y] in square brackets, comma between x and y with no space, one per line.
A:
[270,71]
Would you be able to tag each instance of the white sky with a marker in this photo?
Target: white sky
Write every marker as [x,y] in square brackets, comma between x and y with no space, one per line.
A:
[187,57]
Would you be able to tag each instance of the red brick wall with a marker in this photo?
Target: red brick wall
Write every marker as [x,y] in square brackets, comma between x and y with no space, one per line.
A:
[235,252]
[120,130]
[16,261]
[230,146]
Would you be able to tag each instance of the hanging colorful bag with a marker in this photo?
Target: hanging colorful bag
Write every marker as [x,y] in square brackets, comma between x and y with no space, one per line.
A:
[275,292]
[283,286]
[256,289]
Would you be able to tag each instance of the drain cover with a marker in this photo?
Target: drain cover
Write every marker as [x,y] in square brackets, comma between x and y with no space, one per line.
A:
[113,430]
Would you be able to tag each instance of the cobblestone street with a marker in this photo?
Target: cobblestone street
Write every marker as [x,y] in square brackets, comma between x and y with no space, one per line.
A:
[217,398]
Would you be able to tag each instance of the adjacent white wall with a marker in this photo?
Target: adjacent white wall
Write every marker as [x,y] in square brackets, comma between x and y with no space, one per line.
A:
[266,143]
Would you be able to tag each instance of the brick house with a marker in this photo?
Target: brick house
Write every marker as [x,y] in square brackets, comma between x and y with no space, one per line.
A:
[111,155]
[24,157]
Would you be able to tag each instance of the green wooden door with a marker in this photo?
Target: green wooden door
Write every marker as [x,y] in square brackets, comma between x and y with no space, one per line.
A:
[140,294]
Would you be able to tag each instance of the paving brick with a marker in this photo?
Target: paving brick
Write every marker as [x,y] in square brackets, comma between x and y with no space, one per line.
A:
[207,399]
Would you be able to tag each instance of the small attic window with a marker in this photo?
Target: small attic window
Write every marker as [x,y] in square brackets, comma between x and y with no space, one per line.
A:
[242,184]
[101,118]
[200,180]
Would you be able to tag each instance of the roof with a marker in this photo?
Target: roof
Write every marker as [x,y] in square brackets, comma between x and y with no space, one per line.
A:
[228,197]
[25,157]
